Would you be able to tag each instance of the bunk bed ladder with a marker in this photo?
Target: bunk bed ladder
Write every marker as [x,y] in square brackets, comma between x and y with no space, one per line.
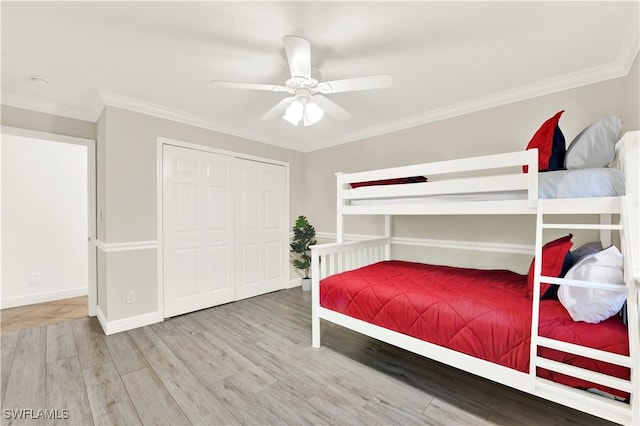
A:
[616,410]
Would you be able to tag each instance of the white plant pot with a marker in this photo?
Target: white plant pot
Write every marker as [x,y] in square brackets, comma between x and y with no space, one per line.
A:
[306,284]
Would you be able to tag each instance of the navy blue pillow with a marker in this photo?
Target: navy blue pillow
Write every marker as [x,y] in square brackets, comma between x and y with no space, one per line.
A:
[552,292]
[558,151]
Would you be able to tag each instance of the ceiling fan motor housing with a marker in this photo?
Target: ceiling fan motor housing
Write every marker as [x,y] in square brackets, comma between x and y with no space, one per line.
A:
[298,82]
[303,93]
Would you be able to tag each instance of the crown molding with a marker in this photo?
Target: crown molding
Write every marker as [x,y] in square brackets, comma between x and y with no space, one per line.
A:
[160,111]
[569,81]
[96,107]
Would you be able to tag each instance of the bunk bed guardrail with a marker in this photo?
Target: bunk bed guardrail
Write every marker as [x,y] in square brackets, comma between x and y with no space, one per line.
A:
[497,173]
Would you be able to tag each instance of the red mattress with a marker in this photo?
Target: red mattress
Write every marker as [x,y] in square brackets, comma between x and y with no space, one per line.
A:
[482,313]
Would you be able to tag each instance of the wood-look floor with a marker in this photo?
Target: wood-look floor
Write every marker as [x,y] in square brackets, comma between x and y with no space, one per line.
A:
[18,318]
[249,362]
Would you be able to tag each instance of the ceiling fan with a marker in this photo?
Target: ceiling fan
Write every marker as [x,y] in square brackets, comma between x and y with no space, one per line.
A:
[308,104]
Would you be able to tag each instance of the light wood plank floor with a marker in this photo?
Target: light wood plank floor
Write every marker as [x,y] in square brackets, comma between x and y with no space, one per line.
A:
[18,318]
[249,362]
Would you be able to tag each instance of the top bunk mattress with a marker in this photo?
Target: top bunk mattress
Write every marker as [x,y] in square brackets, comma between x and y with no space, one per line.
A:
[574,183]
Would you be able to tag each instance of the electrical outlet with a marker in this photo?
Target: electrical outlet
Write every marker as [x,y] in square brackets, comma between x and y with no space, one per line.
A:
[131,296]
[34,278]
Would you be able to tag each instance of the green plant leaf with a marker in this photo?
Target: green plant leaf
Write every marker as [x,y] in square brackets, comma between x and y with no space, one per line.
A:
[303,237]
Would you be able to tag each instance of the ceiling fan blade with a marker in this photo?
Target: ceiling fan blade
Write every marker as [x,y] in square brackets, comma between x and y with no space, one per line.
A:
[279,109]
[379,81]
[331,108]
[251,86]
[299,56]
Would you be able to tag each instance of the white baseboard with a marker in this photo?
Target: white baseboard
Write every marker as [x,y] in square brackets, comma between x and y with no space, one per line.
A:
[30,299]
[117,326]
[295,282]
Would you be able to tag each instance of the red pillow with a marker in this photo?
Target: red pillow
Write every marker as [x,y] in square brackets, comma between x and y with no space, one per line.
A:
[550,143]
[395,181]
[553,255]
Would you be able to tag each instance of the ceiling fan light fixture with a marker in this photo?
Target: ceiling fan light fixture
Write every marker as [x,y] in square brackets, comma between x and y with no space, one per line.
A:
[294,112]
[312,113]
[303,110]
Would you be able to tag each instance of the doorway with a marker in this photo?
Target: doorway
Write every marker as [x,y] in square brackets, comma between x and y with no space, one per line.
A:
[48,255]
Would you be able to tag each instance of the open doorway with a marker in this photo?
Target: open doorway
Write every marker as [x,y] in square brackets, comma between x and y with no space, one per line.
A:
[48,228]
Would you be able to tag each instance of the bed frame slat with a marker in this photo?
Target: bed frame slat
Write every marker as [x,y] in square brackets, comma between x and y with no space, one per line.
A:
[618,288]
[600,355]
[584,374]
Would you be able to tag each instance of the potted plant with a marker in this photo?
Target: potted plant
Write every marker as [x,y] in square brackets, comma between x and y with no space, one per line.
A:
[303,237]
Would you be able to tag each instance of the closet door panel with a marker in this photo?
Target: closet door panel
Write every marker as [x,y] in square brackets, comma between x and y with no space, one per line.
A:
[198,230]
[183,259]
[249,213]
[217,199]
[218,271]
[185,267]
[220,233]
[273,260]
[248,235]
[260,234]
[186,207]
[249,272]
[274,228]
[218,230]
[272,212]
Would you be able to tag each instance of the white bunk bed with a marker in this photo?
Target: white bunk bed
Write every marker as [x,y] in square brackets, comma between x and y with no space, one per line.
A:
[450,196]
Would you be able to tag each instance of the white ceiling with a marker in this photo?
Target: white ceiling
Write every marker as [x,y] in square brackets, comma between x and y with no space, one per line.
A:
[446,58]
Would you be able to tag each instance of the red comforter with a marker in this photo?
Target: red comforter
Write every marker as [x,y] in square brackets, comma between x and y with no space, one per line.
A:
[483,313]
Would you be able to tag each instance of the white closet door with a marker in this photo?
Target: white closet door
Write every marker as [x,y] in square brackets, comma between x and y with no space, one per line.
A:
[198,230]
[261,228]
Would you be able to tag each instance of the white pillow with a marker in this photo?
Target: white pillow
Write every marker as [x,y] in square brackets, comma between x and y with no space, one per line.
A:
[589,304]
[595,145]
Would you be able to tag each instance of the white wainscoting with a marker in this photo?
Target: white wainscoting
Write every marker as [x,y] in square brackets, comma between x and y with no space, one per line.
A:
[133,245]
[124,324]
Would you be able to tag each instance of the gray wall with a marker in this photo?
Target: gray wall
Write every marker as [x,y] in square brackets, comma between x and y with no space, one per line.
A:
[42,122]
